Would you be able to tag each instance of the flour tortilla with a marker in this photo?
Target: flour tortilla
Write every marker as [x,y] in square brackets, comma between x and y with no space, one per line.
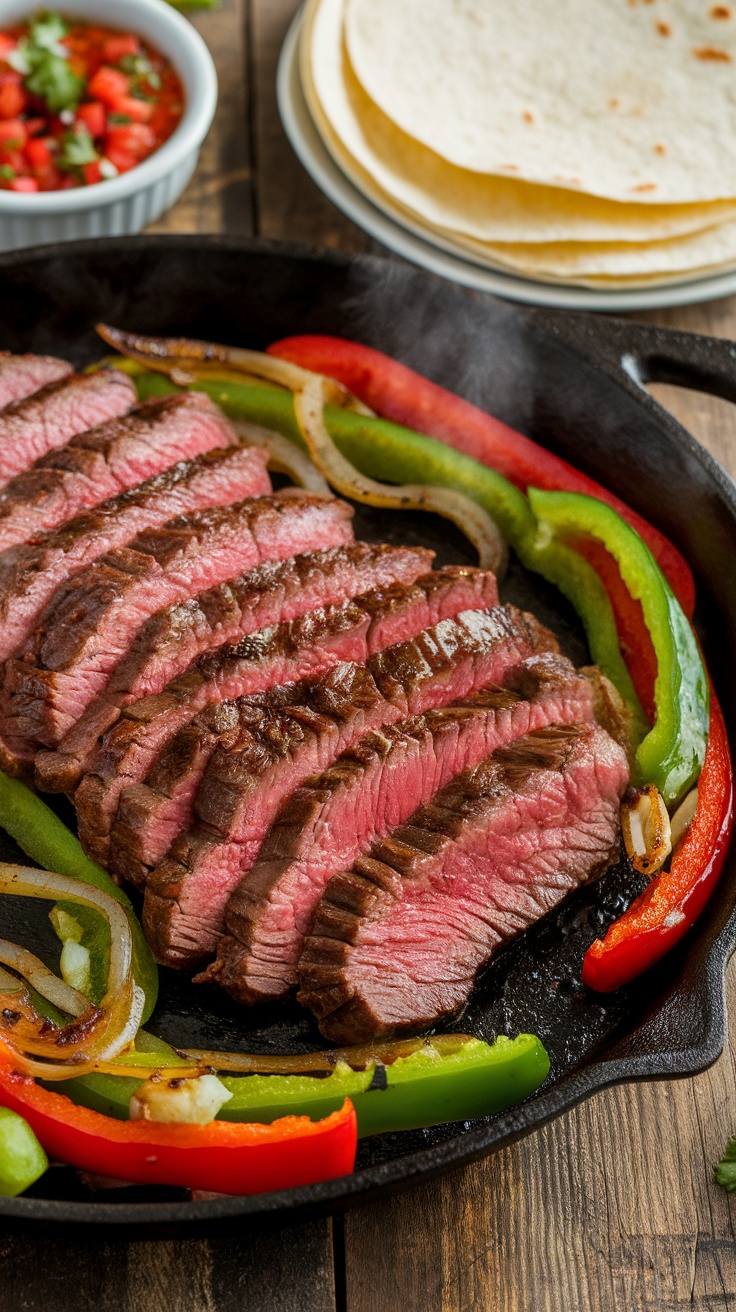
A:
[370,148]
[635,102]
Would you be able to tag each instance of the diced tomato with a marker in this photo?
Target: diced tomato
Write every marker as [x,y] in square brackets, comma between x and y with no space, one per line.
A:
[136,139]
[31,133]
[38,153]
[115,48]
[122,159]
[14,159]
[138,111]
[49,179]
[110,86]
[94,117]
[13,100]
[13,134]
[163,123]
[92,173]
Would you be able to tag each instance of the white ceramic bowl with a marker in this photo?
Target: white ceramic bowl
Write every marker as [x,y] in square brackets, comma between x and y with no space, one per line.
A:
[125,204]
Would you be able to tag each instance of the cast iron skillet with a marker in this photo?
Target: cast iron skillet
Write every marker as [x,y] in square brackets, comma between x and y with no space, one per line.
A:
[575,383]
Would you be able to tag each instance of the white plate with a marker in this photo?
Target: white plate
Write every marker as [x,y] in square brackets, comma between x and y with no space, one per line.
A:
[400,235]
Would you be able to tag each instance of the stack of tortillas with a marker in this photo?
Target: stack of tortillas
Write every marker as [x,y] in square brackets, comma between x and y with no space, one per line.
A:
[590,142]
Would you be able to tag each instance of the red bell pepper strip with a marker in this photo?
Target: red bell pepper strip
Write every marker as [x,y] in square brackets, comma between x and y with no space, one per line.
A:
[635,639]
[223,1157]
[657,919]
[398,393]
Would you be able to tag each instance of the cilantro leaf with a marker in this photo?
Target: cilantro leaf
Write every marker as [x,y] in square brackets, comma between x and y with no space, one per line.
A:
[6,173]
[52,79]
[46,29]
[77,149]
[726,1168]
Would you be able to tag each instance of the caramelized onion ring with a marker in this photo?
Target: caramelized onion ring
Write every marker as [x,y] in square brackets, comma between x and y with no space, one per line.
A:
[97,1033]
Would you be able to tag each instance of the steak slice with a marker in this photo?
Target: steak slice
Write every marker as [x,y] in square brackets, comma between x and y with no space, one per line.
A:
[93,620]
[32,572]
[173,638]
[299,731]
[21,375]
[288,653]
[397,940]
[108,460]
[333,818]
[50,416]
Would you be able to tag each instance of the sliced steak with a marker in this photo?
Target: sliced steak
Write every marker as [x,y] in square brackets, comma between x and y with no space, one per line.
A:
[396,609]
[298,732]
[108,460]
[49,417]
[397,940]
[175,637]
[297,650]
[32,572]
[93,620]
[21,375]
[333,818]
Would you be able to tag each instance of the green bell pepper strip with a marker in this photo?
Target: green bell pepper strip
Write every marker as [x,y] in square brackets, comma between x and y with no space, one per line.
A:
[390,453]
[40,833]
[441,1081]
[671,755]
[22,1159]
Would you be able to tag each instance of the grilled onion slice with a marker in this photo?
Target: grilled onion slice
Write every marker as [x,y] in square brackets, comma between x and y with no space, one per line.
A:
[94,1034]
[646,828]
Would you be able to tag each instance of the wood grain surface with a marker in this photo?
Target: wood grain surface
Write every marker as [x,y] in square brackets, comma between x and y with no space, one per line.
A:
[611,1207]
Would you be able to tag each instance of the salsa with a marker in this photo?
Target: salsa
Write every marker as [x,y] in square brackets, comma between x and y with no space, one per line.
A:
[80,104]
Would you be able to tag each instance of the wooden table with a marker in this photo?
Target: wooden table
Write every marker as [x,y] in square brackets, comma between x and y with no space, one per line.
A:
[613,1206]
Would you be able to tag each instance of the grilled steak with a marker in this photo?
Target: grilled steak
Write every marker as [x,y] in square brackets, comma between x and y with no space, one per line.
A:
[21,375]
[175,637]
[94,618]
[333,818]
[297,650]
[49,417]
[108,460]
[398,940]
[296,732]
[32,572]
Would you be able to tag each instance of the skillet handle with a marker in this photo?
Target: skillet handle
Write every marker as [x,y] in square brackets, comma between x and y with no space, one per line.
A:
[644,353]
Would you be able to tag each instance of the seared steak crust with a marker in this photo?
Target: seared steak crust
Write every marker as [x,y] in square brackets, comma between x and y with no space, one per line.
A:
[21,375]
[300,731]
[291,652]
[93,620]
[299,649]
[331,819]
[145,684]
[50,416]
[397,940]
[107,460]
